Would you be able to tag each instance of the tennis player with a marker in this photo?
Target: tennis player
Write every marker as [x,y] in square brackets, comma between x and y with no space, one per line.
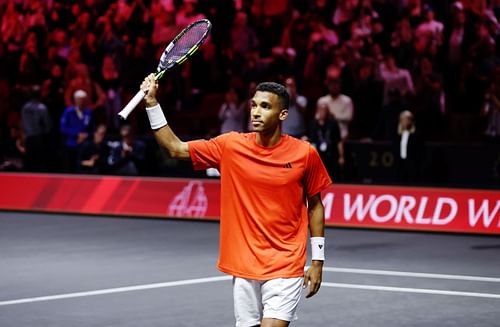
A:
[267,178]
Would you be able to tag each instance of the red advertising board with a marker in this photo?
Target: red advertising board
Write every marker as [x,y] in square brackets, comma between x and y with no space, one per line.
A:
[407,208]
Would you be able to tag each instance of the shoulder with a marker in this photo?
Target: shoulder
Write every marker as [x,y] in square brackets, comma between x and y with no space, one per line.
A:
[69,110]
[345,98]
[297,144]
[324,99]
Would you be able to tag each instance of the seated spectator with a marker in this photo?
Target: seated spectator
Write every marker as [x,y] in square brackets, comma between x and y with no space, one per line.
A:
[126,156]
[294,124]
[232,113]
[77,123]
[12,150]
[93,154]
[340,105]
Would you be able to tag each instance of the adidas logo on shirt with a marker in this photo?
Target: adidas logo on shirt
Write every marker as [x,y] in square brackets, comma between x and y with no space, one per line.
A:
[287,165]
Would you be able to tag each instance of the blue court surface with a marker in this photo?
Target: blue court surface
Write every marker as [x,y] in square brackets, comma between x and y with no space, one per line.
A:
[70,270]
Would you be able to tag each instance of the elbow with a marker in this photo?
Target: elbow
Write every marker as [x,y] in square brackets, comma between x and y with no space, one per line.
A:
[174,152]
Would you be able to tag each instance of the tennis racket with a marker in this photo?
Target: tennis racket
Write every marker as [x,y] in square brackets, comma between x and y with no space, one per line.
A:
[183,46]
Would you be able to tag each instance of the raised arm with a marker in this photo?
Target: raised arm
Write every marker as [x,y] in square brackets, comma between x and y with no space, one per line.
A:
[163,133]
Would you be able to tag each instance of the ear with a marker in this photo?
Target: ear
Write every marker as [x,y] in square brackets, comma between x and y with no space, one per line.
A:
[283,114]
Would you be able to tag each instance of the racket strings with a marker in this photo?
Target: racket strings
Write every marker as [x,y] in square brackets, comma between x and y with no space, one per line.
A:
[187,40]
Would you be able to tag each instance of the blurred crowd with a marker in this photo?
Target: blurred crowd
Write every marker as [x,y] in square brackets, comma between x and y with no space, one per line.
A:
[353,68]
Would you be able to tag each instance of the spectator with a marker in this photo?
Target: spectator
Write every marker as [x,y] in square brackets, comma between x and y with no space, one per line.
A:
[294,124]
[127,155]
[408,150]
[324,135]
[389,117]
[93,155]
[491,109]
[36,124]
[429,103]
[95,96]
[232,113]
[429,34]
[53,94]
[339,105]
[110,81]
[367,99]
[395,78]
[76,125]
[243,39]
[12,150]
[188,13]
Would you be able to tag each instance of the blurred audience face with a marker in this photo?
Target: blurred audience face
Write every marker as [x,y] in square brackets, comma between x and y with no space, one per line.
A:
[291,87]
[80,99]
[231,96]
[126,134]
[333,82]
[100,134]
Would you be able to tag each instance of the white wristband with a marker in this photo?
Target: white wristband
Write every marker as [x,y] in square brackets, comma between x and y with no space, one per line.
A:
[156,117]
[318,248]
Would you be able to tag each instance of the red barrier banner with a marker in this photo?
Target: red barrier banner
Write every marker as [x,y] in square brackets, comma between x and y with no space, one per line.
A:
[405,208]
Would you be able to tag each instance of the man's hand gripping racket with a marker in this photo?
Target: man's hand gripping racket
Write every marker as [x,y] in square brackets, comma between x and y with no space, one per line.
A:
[179,50]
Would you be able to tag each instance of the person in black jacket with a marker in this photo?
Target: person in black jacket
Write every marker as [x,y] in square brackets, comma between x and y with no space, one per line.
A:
[93,154]
[408,150]
[324,135]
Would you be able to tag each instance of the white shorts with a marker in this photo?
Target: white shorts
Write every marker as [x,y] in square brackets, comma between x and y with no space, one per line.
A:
[256,299]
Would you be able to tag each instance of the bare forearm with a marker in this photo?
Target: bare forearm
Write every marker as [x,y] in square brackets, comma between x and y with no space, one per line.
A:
[164,135]
[316,217]
[174,147]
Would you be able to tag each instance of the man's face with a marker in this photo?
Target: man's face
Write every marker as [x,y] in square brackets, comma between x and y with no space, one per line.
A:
[80,102]
[266,112]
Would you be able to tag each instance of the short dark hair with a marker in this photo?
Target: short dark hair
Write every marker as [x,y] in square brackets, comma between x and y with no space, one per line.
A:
[278,89]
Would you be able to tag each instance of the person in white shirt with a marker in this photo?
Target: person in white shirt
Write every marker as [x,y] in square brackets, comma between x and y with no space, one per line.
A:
[395,78]
[430,31]
[340,105]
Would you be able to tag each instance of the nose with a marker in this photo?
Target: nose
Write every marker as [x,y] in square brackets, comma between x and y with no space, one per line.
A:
[256,112]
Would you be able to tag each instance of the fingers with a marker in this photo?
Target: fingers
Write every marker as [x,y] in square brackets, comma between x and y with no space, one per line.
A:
[313,288]
[313,279]
[149,83]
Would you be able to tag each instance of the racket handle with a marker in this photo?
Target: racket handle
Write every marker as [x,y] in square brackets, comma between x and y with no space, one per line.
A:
[131,104]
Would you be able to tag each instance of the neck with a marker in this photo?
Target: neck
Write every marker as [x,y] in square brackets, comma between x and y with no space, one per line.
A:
[268,139]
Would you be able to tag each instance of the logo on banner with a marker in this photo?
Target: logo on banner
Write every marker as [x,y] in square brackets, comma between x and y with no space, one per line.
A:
[191,201]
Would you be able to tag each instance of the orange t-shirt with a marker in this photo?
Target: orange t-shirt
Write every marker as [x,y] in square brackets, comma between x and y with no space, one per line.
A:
[263,218]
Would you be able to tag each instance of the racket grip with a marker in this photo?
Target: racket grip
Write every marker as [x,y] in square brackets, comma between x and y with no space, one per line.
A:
[131,104]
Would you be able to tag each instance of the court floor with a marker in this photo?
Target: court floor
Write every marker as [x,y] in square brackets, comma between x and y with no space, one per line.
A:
[71,270]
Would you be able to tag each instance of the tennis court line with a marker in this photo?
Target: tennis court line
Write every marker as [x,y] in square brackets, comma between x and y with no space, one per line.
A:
[117,290]
[411,274]
[327,284]
[410,290]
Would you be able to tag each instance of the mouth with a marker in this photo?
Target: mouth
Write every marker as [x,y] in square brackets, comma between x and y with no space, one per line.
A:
[256,122]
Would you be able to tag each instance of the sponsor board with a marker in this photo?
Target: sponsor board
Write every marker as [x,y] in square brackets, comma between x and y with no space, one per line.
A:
[406,208]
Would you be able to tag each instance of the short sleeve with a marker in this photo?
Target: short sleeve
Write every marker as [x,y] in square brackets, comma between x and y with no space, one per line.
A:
[316,177]
[207,153]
